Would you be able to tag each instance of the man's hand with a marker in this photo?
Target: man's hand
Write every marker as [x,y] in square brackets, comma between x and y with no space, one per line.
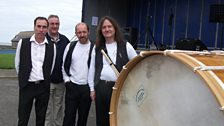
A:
[92,95]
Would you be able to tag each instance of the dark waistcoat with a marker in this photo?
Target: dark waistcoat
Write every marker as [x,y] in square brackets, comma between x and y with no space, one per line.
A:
[25,64]
[121,60]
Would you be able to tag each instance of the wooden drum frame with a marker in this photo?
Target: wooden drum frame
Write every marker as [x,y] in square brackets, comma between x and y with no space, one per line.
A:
[170,88]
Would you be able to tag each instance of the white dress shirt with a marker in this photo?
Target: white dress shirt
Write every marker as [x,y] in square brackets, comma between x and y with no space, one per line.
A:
[37,58]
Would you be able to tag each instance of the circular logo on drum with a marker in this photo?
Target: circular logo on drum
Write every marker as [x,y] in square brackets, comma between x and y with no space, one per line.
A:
[140,96]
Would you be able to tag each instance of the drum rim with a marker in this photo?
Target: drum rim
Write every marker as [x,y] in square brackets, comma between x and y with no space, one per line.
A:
[187,60]
[119,83]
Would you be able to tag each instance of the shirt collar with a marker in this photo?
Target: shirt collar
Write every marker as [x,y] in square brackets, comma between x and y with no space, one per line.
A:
[32,39]
[52,38]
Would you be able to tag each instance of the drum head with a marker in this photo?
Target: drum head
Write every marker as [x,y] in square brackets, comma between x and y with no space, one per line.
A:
[162,91]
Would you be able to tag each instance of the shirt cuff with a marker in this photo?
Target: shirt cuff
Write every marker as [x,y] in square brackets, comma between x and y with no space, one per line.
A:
[66,79]
[91,87]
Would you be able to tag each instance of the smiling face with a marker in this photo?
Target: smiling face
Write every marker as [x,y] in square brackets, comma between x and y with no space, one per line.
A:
[108,31]
[53,25]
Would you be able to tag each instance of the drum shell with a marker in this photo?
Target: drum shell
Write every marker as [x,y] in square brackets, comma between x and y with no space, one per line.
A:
[172,92]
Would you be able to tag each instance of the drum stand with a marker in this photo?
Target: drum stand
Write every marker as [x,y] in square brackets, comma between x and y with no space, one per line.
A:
[170,21]
[221,35]
[148,31]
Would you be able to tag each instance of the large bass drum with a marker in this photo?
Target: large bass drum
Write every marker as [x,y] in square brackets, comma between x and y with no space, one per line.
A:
[170,88]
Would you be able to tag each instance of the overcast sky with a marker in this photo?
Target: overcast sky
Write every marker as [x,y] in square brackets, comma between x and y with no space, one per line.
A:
[18,15]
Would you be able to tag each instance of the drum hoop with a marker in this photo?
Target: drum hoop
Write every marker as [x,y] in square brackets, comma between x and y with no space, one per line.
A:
[213,82]
[120,81]
[191,62]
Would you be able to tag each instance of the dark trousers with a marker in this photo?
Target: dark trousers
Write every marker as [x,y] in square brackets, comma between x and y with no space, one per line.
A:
[77,98]
[27,95]
[103,96]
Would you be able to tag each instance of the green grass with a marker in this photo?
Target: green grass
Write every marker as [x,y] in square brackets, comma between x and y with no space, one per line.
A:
[7,61]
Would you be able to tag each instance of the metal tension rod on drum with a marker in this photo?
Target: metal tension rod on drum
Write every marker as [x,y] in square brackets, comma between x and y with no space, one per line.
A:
[110,62]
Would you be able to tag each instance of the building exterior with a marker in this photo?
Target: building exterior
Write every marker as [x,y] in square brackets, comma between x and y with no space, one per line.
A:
[21,35]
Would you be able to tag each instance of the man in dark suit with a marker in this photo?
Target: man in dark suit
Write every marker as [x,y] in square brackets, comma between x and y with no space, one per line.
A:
[34,61]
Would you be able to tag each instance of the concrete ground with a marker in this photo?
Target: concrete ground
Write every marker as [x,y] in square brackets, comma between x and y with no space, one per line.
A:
[9,101]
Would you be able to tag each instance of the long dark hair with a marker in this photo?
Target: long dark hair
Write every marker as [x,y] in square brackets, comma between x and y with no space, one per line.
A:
[100,39]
